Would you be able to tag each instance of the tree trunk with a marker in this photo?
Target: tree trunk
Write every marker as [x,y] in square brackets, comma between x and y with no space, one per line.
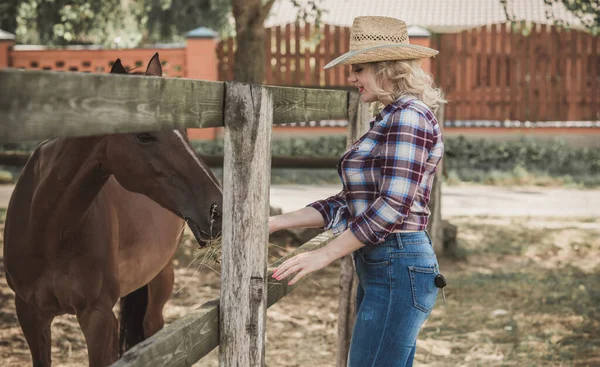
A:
[249,55]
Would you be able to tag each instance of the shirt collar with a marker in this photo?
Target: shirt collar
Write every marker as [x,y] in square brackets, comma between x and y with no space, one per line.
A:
[393,106]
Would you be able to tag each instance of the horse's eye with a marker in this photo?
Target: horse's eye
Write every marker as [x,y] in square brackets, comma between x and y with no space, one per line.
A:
[145,138]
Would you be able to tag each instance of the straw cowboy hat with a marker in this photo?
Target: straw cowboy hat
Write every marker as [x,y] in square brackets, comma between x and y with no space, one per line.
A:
[380,39]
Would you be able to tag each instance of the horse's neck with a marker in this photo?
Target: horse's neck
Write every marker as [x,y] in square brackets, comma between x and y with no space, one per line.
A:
[70,179]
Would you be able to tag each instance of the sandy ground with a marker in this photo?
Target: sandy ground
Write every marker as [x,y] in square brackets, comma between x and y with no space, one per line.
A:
[522,293]
[473,200]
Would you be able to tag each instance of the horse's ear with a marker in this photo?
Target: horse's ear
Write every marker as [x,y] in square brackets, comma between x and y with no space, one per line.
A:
[154,67]
[118,68]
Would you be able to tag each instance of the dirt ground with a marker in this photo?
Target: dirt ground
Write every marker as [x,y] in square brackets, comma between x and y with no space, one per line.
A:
[523,292]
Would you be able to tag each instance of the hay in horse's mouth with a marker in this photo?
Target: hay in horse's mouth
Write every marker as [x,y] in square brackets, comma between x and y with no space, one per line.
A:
[203,242]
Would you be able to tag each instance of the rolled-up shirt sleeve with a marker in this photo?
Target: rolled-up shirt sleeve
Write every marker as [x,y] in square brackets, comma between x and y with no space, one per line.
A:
[334,210]
[403,157]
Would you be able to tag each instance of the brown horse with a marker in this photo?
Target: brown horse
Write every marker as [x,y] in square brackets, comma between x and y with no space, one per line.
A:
[94,219]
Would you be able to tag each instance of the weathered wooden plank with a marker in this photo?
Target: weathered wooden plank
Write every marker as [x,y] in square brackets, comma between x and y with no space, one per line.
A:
[246,177]
[301,104]
[435,226]
[187,340]
[36,105]
[181,343]
[358,124]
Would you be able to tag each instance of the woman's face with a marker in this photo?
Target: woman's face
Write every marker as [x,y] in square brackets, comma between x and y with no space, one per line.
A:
[361,77]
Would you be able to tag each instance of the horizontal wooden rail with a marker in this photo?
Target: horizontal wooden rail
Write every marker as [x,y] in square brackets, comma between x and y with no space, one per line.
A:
[36,105]
[193,336]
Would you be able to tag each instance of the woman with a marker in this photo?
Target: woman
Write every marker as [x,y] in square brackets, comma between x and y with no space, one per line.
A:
[381,213]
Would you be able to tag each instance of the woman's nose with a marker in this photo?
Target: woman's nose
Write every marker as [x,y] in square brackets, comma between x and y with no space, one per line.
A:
[351,78]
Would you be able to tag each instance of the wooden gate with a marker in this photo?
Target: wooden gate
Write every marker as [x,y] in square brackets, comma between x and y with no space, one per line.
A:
[492,73]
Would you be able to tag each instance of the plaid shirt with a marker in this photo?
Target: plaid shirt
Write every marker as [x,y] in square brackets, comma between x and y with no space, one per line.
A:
[387,174]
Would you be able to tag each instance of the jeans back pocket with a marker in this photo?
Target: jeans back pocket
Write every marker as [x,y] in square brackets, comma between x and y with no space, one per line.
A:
[424,291]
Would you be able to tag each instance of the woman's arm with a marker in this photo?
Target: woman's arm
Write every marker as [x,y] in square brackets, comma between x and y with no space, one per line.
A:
[307,217]
[308,262]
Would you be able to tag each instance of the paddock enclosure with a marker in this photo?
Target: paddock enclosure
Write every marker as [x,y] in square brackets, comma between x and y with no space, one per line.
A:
[36,105]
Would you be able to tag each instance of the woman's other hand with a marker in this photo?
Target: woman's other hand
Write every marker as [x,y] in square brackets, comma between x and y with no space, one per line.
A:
[303,264]
[308,262]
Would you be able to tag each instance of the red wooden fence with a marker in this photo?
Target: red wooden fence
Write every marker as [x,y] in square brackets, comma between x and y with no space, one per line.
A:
[487,73]
[292,58]
[492,73]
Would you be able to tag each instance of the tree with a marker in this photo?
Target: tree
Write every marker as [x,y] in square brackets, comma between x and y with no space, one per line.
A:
[8,15]
[112,23]
[62,22]
[168,20]
[587,11]
[249,18]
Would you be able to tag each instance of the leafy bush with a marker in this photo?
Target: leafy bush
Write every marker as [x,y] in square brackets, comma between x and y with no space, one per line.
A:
[518,162]
[6,177]
[527,155]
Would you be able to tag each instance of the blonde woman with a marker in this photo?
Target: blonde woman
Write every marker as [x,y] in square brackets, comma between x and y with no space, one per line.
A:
[381,213]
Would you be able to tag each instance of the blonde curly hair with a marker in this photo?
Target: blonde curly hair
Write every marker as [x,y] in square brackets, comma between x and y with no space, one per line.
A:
[393,79]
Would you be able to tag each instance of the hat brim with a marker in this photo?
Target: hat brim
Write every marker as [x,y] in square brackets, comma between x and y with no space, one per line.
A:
[383,53]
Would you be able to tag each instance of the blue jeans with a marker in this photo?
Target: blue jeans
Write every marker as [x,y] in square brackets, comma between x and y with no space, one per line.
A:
[396,293]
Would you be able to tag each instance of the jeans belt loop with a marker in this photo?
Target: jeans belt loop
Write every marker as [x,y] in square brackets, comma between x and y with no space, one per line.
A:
[399,240]
[429,237]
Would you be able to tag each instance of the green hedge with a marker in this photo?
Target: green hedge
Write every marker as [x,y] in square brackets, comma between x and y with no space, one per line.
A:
[331,146]
[556,158]
[551,157]
[523,161]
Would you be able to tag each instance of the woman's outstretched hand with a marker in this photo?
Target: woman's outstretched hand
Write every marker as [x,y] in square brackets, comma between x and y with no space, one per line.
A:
[303,264]
[308,262]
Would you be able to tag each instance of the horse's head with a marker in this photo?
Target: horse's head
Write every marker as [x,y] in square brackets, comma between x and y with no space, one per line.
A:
[163,166]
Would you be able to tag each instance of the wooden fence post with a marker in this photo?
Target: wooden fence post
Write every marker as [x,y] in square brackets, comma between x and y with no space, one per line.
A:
[246,180]
[435,226]
[359,115]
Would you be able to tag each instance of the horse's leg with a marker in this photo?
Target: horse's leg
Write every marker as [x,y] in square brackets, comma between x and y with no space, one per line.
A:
[159,291]
[99,326]
[36,327]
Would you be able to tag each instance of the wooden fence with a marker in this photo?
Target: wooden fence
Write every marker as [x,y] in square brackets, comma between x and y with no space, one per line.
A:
[487,73]
[36,105]
[295,56]
[492,73]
